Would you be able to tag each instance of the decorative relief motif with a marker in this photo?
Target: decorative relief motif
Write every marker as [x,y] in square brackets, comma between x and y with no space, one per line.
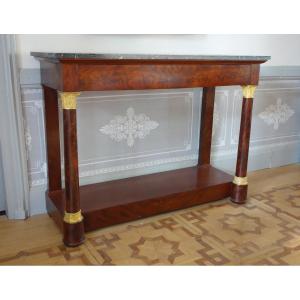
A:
[28,140]
[129,127]
[276,114]
[42,170]
[34,136]
[134,166]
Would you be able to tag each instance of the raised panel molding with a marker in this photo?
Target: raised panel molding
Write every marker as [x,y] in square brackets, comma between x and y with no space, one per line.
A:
[165,136]
[106,107]
[220,117]
[33,113]
[265,98]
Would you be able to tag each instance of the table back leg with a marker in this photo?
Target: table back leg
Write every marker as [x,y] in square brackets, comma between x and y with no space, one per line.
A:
[207,112]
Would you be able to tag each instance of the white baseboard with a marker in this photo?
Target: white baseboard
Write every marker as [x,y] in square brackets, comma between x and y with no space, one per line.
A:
[37,204]
[18,215]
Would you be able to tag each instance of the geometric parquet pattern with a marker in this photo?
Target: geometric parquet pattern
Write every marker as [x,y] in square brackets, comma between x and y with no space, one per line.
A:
[265,231]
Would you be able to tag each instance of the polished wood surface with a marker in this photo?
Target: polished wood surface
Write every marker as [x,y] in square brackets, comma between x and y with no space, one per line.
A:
[52,138]
[126,77]
[207,111]
[73,233]
[239,193]
[118,201]
[110,203]
[244,138]
[93,75]
[71,160]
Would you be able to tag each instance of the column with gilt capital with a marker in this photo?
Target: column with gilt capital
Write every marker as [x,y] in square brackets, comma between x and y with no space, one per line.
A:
[240,181]
[73,220]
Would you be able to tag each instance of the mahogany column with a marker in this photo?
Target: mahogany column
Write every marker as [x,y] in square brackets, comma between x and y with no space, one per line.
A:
[207,112]
[73,220]
[240,181]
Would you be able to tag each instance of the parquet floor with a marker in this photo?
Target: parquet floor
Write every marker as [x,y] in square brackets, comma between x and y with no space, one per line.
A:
[265,231]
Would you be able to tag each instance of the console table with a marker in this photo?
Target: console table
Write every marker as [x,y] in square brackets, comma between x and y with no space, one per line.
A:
[78,209]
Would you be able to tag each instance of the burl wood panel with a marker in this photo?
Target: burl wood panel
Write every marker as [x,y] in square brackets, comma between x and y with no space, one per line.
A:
[118,201]
[103,76]
[128,77]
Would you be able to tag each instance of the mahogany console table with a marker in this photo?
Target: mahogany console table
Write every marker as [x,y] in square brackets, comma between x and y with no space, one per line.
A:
[78,209]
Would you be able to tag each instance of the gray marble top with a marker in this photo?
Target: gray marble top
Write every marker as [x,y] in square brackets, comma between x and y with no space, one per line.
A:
[102,56]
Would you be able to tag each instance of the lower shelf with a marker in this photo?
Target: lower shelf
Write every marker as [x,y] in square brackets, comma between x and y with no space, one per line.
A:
[118,201]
